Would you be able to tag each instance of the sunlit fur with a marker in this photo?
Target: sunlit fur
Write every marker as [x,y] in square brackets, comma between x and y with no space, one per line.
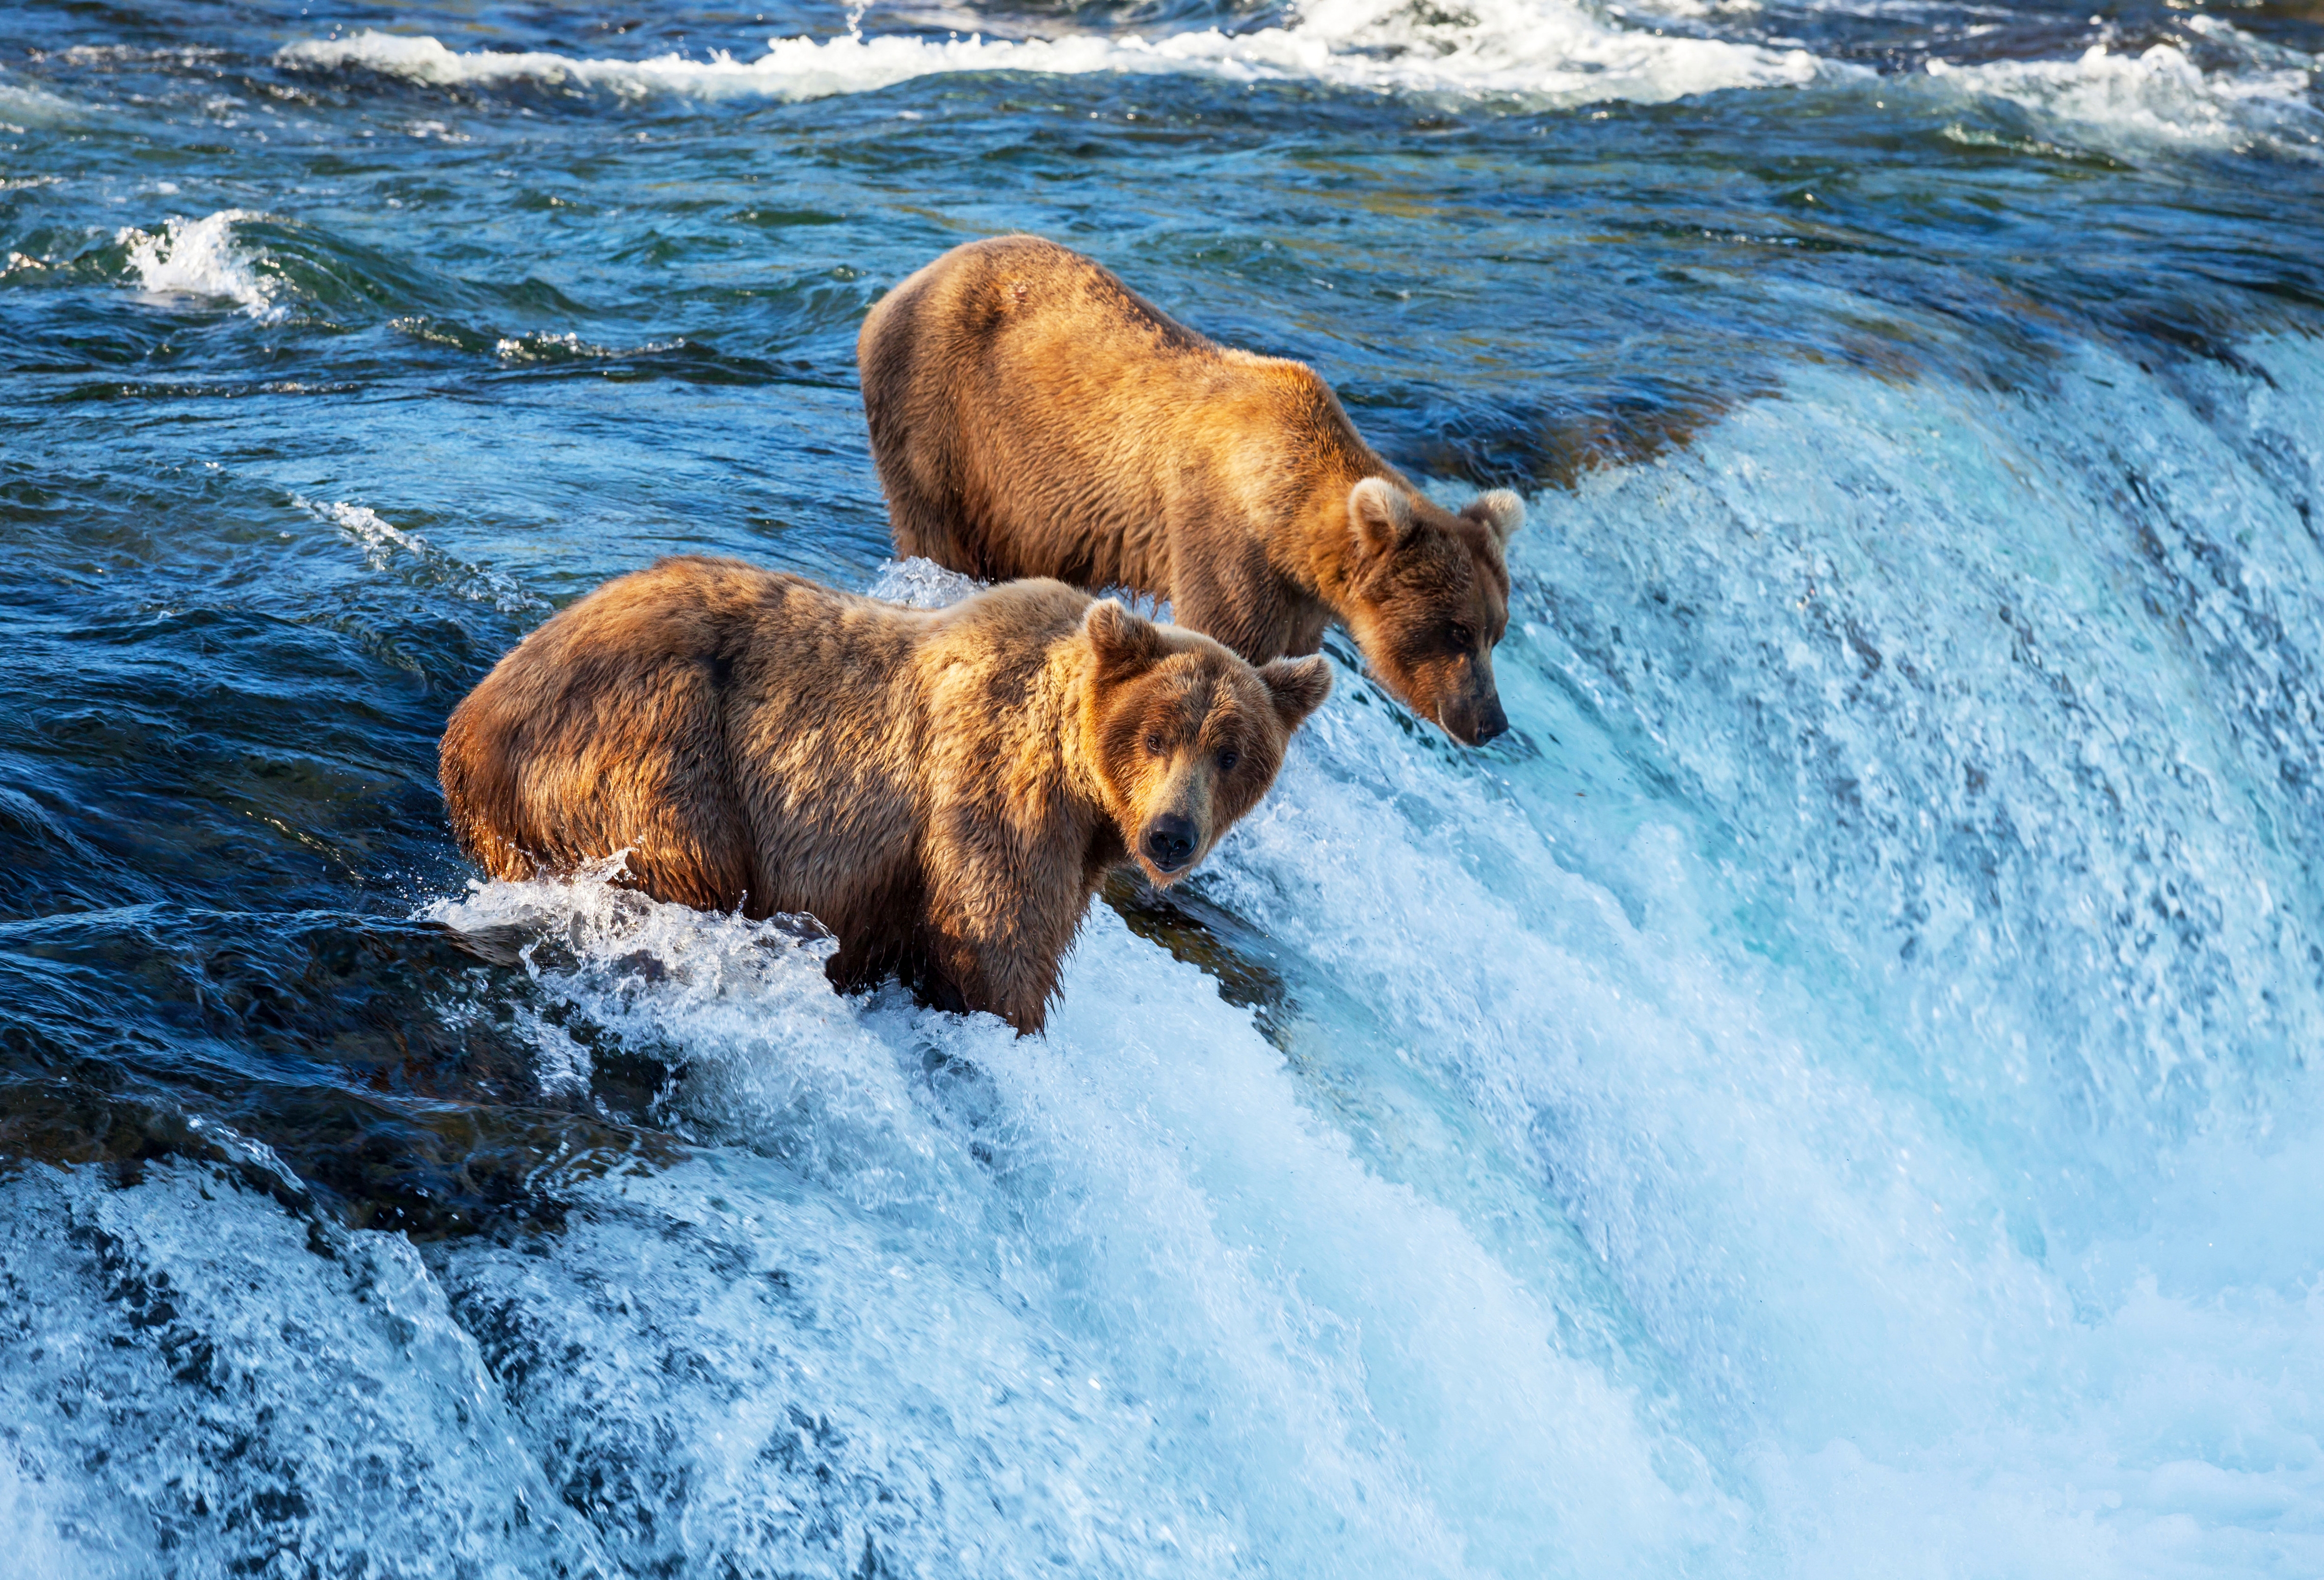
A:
[1032,415]
[943,788]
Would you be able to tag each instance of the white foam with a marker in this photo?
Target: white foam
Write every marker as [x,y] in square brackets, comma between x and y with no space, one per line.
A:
[923,584]
[549,347]
[387,547]
[1790,1187]
[1274,1349]
[920,584]
[2160,95]
[202,258]
[214,1379]
[784,1061]
[36,1549]
[1543,52]
[1537,52]
[24,108]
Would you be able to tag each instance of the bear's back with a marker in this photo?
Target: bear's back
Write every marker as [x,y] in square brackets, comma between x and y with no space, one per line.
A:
[624,722]
[1032,415]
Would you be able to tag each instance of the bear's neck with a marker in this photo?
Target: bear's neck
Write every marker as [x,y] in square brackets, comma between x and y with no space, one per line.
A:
[1311,544]
[1063,706]
[1319,551]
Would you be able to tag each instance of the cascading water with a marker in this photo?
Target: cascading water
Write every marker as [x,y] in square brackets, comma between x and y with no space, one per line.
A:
[1832,1094]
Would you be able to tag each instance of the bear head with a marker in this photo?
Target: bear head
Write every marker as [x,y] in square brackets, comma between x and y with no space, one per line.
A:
[1429,597]
[1185,736]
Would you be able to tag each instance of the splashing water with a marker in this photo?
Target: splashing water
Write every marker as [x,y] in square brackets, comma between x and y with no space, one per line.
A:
[1554,52]
[200,257]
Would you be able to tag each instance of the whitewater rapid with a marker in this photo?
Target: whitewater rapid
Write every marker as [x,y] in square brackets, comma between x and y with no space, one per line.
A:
[1514,54]
[1567,1228]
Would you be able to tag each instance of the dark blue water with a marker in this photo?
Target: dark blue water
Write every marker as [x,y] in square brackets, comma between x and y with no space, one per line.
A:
[1834,1093]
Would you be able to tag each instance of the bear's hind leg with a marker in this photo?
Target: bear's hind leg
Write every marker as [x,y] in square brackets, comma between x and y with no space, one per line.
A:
[645,771]
[926,526]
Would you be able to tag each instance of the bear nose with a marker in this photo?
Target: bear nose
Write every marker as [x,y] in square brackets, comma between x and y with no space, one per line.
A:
[1494,723]
[1169,841]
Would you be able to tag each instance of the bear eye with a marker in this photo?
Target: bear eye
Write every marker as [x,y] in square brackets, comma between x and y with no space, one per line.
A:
[1227,759]
[1155,744]
[1462,638]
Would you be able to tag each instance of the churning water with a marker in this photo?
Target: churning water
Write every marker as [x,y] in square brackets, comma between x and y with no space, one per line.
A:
[1834,1093]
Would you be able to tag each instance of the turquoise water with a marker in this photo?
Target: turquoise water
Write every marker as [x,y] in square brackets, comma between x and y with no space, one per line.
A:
[1833,1092]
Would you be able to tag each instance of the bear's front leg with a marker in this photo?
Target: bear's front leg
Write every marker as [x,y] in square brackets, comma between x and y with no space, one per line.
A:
[1305,629]
[1230,595]
[993,933]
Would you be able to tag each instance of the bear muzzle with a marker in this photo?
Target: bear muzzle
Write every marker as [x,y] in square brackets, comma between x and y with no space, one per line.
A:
[1474,716]
[1170,842]
[1490,720]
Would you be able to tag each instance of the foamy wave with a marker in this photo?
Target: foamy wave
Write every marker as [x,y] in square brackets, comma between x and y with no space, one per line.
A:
[22,108]
[776,1059]
[923,584]
[2160,96]
[1542,50]
[387,547]
[200,257]
[920,584]
[1164,1214]
[39,1548]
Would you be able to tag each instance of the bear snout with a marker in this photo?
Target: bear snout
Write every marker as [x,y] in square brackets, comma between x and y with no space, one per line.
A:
[1491,721]
[1473,717]
[1471,713]
[1169,841]
[1476,721]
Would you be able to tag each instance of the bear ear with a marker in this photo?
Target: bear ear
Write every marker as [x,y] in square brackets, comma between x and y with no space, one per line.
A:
[1299,686]
[1501,511]
[1380,514]
[1123,641]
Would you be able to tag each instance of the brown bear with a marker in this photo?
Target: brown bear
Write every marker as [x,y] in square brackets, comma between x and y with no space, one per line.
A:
[943,790]
[1032,415]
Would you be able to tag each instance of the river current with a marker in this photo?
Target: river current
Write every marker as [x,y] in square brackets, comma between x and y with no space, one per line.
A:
[1833,1093]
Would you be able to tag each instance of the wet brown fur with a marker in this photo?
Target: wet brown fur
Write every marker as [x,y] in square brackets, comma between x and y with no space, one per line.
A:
[942,788]
[1032,415]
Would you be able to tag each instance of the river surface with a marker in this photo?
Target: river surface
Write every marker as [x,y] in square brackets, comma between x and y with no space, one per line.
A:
[1834,1093]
